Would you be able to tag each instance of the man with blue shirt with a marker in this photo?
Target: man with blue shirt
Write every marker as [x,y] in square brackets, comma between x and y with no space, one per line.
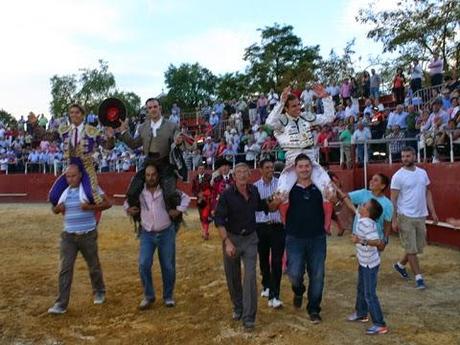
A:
[79,235]
[398,117]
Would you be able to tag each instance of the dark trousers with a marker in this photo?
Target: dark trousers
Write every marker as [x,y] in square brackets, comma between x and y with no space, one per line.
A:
[415,84]
[243,294]
[309,252]
[399,95]
[366,296]
[436,79]
[272,239]
[71,244]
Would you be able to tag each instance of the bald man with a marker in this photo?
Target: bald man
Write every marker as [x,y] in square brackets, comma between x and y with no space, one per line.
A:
[79,235]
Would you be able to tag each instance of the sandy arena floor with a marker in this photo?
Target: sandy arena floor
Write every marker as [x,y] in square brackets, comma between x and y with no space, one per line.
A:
[28,283]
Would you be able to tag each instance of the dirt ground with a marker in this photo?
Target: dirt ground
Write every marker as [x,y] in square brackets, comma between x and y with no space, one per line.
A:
[28,283]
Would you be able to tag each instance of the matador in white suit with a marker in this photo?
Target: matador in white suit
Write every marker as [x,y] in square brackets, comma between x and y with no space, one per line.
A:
[293,131]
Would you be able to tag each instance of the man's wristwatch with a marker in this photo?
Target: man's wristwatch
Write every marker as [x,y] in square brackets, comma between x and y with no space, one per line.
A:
[364,242]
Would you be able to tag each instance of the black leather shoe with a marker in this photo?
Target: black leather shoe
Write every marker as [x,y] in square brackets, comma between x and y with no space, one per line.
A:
[297,301]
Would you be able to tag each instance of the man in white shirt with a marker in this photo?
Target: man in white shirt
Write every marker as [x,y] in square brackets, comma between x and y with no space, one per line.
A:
[273,98]
[410,194]
[416,75]
[307,97]
[436,67]
[360,134]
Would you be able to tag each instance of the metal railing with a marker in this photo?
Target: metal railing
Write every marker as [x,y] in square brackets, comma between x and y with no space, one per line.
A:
[427,95]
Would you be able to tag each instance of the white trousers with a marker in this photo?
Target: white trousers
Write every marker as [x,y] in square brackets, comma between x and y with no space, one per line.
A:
[288,176]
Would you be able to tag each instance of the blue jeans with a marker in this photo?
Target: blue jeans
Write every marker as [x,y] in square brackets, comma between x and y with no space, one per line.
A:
[366,297]
[165,241]
[312,253]
[360,153]
[375,92]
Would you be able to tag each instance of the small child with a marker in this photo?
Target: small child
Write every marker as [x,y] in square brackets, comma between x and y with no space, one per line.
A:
[367,239]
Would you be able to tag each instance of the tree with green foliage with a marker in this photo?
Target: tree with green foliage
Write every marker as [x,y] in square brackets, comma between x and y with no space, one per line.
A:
[417,29]
[279,58]
[232,86]
[89,89]
[7,119]
[336,68]
[189,85]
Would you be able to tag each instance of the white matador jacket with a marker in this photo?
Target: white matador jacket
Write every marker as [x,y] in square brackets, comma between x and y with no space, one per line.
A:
[294,135]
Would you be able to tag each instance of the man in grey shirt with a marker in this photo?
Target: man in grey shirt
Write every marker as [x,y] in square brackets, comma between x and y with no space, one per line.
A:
[375,84]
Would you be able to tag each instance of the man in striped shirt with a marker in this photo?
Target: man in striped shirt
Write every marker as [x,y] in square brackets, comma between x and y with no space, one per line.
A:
[79,235]
[272,236]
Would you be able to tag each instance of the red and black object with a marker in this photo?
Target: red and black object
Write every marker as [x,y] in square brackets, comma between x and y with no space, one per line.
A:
[112,112]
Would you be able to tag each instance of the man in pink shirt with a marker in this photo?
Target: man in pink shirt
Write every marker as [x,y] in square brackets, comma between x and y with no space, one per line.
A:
[157,231]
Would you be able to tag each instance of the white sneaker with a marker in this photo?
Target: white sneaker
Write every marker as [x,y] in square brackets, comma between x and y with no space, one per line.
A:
[275,303]
[265,293]
[56,309]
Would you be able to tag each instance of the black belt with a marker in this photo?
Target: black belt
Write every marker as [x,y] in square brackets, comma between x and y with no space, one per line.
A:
[81,234]
[243,234]
[270,222]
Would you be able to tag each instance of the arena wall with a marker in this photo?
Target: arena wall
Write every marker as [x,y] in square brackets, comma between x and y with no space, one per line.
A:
[444,178]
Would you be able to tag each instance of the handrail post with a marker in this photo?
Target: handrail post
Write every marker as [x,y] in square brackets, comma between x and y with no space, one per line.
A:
[365,164]
[451,147]
[390,156]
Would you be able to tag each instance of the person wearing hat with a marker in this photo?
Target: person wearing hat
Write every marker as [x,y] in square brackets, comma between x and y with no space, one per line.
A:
[222,179]
[80,143]
[202,190]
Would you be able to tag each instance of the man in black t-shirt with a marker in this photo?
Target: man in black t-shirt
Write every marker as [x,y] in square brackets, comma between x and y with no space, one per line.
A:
[306,239]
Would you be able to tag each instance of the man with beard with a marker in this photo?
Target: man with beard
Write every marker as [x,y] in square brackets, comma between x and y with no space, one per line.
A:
[410,194]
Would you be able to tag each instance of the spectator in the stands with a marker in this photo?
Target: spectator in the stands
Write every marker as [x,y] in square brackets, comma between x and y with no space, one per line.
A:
[350,111]
[323,139]
[436,67]
[262,104]
[345,139]
[375,82]
[398,117]
[396,146]
[219,108]
[446,101]
[260,135]
[175,110]
[221,147]
[368,107]
[416,75]
[252,109]
[340,112]
[365,85]
[360,135]
[214,119]
[209,151]
[399,84]
[452,82]
[175,115]
[345,90]
[411,120]
[454,110]
[273,98]
[42,121]
[438,117]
